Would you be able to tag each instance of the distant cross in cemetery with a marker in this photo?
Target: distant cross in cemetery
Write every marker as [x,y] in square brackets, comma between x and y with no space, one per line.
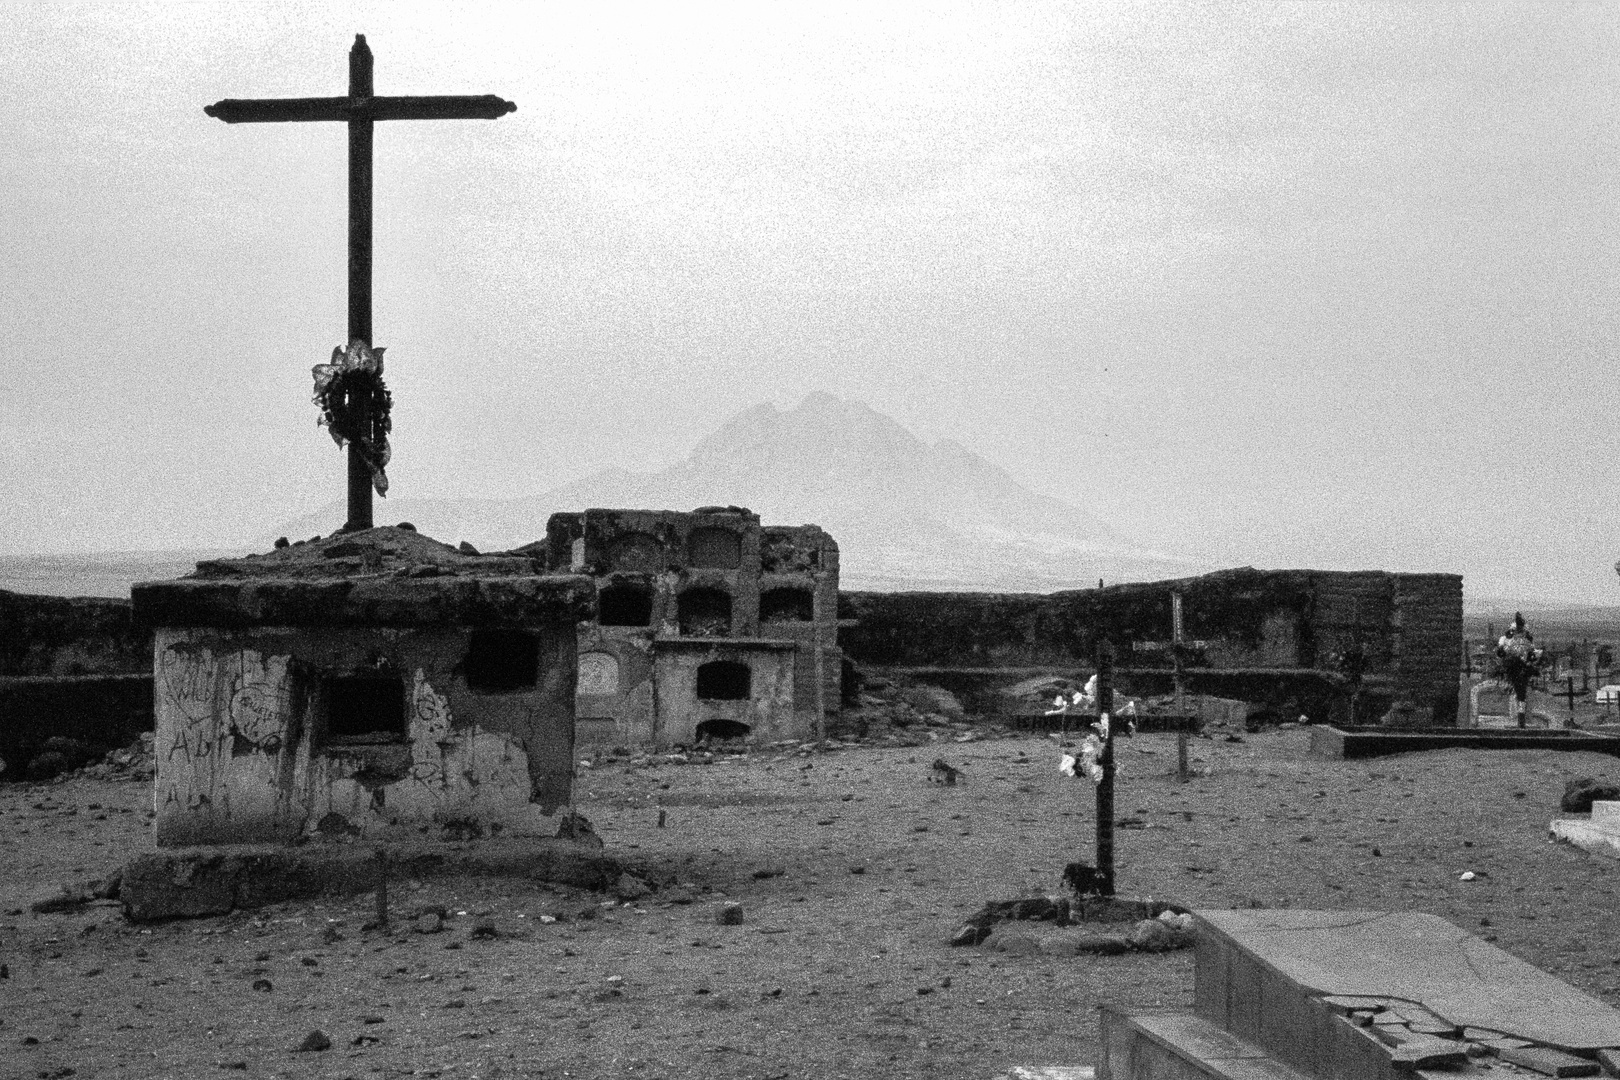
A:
[360,110]
[1180,650]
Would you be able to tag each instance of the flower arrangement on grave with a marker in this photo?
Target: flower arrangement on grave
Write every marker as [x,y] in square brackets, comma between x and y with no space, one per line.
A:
[1088,762]
[355,405]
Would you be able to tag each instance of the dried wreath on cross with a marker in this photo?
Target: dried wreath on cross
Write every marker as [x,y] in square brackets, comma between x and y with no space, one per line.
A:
[355,405]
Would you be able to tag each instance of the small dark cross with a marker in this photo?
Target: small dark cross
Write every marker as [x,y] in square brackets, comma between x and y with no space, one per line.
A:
[359,110]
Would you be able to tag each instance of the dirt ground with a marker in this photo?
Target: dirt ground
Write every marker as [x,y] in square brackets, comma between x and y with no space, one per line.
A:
[852,870]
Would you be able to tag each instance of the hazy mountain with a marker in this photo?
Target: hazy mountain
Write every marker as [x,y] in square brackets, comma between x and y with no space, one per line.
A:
[905,514]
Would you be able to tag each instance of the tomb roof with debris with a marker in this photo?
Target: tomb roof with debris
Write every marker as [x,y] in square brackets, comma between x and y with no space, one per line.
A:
[388,576]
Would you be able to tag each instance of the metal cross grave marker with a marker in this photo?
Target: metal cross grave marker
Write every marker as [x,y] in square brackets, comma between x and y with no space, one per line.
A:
[360,110]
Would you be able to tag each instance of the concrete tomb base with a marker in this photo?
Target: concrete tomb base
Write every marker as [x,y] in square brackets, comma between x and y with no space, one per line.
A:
[1600,835]
[1358,995]
[1335,742]
[205,881]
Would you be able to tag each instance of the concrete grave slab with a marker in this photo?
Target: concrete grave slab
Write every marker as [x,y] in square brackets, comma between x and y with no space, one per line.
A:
[1421,959]
[1600,834]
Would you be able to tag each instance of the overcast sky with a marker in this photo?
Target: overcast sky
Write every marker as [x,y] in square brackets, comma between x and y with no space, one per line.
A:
[1295,284]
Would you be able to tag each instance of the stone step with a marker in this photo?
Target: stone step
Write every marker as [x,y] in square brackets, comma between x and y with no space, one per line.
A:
[1606,814]
[1142,1045]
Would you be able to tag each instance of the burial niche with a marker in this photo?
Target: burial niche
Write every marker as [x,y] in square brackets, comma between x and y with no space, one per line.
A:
[714,549]
[636,551]
[787,605]
[722,729]
[624,605]
[704,612]
[724,680]
[365,708]
[502,661]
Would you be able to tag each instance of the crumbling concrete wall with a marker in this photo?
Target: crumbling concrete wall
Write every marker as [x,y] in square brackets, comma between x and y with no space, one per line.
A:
[77,636]
[245,750]
[74,670]
[377,684]
[1270,635]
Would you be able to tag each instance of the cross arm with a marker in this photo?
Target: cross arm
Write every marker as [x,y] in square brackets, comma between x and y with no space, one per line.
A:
[293,110]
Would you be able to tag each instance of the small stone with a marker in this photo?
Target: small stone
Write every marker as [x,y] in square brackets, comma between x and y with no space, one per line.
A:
[430,922]
[730,914]
[857,869]
[371,1019]
[484,928]
[263,985]
[971,934]
[630,887]
[315,1041]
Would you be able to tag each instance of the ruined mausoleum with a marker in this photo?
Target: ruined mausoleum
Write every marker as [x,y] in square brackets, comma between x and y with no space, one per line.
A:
[708,624]
[377,684]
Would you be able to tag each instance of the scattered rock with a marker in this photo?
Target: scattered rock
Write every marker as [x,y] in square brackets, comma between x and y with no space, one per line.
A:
[315,1041]
[484,928]
[429,922]
[263,985]
[574,827]
[1580,794]
[1156,935]
[630,887]
[1066,943]
[971,934]
[730,914]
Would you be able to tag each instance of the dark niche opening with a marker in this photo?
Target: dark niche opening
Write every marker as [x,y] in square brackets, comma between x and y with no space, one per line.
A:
[723,680]
[787,605]
[367,708]
[722,729]
[624,605]
[715,549]
[704,612]
[502,661]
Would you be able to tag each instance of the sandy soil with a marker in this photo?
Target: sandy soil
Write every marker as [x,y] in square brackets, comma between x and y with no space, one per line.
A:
[852,870]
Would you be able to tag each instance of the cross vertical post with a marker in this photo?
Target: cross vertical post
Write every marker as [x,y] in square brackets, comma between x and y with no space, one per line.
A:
[360,110]
[1105,760]
[360,132]
[1183,773]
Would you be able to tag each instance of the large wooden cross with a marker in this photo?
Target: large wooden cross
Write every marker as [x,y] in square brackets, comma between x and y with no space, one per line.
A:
[359,110]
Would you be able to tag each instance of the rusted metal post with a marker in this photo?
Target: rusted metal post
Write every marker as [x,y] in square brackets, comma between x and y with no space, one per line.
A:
[382,889]
[1105,787]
